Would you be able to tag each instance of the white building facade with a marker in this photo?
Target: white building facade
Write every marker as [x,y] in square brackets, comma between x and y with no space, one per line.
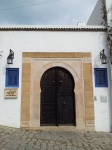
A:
[102,15]
[77,49]
[57,77]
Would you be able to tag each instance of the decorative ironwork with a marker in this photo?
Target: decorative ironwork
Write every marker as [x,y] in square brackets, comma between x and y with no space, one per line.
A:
[57,97]
[12,77]
[101,77]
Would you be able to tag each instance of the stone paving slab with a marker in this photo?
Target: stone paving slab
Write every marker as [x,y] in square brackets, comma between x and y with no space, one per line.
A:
[21,139]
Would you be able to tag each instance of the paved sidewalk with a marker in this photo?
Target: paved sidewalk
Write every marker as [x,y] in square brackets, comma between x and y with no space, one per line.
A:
[17,139]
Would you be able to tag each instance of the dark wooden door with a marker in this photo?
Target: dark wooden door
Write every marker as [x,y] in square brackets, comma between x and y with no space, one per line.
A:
[57,98]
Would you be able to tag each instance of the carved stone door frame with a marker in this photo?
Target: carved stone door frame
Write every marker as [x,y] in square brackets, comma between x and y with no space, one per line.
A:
[33,67]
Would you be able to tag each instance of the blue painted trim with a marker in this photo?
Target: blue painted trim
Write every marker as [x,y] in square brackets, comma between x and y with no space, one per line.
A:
[105,84]
[7,77]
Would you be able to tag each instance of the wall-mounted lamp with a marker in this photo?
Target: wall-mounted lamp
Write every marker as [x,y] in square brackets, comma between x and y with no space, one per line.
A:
[103,57]
[10,57]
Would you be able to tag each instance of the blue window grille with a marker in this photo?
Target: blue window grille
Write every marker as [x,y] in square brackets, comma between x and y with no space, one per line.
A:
[12,77]
[101,77]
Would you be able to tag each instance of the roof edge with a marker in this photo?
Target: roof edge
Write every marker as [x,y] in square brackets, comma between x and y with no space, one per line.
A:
[53,28]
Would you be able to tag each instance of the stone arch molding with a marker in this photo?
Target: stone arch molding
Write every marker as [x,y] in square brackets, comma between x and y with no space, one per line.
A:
[37,70]
[47,66]
[34,65]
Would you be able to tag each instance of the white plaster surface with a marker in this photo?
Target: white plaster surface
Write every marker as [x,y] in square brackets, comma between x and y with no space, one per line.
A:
[49,41]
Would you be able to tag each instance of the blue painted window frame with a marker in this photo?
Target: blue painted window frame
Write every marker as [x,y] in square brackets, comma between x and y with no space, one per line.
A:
[16,75]
[101,79]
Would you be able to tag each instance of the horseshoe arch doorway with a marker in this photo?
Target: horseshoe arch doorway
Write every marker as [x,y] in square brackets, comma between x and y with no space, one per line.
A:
[57,98]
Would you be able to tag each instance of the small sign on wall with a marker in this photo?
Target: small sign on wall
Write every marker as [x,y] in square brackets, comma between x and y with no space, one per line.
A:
[10,93]
[103,99]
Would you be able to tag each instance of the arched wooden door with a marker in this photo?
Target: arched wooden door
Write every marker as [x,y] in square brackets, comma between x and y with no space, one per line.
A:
[57,98]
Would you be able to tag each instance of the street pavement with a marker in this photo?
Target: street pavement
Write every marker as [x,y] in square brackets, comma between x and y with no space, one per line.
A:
[21,139]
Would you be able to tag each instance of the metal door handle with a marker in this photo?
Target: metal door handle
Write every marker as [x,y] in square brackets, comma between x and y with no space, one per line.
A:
[64,103]
[60,82]
[53,82]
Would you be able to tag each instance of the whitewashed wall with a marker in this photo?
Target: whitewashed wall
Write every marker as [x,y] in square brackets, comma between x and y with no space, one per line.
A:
[109,12]
[49,41]
[96,15]
[109,24]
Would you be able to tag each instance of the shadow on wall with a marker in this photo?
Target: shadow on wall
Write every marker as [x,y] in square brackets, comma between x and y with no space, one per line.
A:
[97,62]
